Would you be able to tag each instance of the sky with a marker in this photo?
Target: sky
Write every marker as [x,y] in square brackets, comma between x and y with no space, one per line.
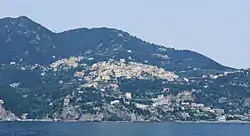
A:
[219,29]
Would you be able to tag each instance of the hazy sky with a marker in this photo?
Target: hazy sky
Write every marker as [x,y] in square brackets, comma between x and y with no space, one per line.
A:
[216,28]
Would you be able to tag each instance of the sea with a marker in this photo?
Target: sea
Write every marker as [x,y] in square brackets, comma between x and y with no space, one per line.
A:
[122,129]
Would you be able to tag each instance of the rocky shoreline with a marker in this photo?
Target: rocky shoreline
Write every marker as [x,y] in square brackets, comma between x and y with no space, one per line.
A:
[7,116]
[183,122]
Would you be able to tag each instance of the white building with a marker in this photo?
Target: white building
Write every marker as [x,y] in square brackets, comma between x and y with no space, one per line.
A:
[14,85]
[43,74]
[200,105]
[222,118]
[66,102]
[219,111]
[1,102]
[128,95]
[114,102]
[12,63]
[129,51]
[141,106]
[122,60]
[186,79]
[164,101]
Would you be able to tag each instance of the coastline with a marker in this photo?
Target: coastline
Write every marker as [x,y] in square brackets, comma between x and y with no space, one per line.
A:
[132,122]
[214,122]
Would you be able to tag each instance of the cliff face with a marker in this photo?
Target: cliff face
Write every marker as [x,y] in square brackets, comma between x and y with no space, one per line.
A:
[7,115]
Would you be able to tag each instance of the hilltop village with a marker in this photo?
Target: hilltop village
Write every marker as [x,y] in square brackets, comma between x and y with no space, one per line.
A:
[108,100]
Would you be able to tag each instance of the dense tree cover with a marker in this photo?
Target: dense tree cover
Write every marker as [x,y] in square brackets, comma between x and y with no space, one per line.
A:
[100,43]
[43,95]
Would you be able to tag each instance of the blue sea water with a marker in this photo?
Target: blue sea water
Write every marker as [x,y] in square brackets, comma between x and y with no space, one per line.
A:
[121,129]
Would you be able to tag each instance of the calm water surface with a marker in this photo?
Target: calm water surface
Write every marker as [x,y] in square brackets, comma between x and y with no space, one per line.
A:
[121,129]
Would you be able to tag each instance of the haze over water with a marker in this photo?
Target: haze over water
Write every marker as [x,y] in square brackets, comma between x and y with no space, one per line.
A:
[121,129]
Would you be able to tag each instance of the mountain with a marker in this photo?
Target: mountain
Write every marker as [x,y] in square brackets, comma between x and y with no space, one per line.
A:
[107,74]
[21,39]
[24,40]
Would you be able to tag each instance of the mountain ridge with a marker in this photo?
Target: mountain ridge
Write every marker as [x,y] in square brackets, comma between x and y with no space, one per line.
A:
[106,74]
[96,33]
